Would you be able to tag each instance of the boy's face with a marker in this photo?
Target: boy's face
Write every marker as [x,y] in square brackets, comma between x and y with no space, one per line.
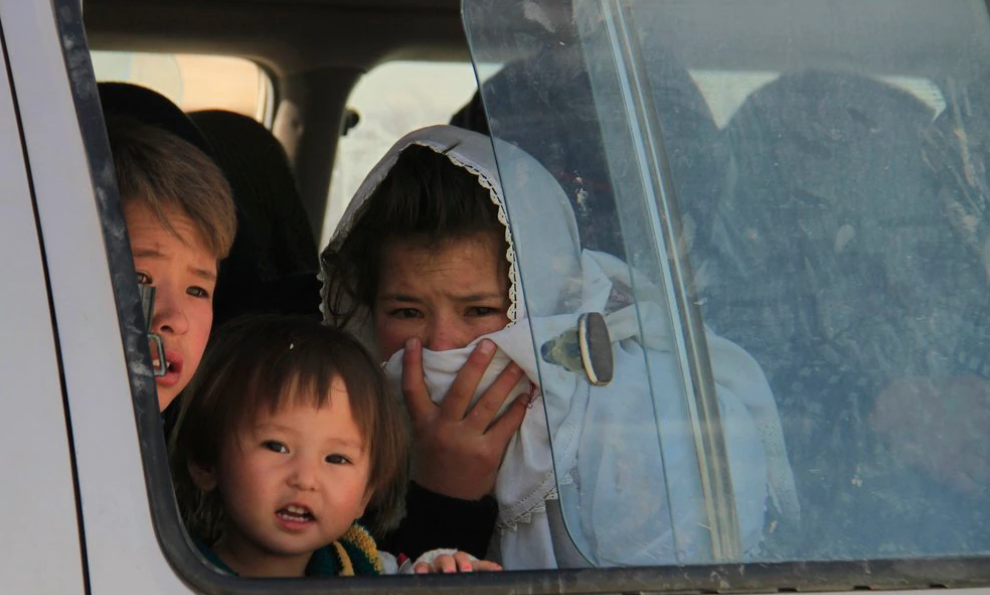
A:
[290,484]
[184,273]
[446,295]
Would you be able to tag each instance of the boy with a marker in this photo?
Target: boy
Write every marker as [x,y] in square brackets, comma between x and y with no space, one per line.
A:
[181,222]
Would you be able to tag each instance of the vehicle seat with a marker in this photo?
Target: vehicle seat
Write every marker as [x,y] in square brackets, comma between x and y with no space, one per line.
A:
[265,192]
[568,141]
[258,170]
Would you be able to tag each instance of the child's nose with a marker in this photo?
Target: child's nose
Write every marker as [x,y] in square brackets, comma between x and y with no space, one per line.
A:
[303,476]
[169,317]
[446,334]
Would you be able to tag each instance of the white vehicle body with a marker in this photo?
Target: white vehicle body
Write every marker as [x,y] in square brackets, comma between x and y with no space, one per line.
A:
[77,513]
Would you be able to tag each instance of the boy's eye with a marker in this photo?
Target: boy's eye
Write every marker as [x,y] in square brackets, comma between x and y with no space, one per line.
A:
[405,313]
[143,279]
[275,446]
[336,459]
[198,292]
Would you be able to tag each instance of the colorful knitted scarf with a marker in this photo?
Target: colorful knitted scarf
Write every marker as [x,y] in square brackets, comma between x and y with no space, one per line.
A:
[354,554]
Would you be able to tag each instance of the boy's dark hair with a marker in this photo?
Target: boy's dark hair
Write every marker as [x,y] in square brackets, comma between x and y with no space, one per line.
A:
[160,170]
[424,197]
[270,362]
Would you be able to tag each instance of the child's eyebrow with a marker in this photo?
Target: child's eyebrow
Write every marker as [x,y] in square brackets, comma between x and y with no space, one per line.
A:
[400,297]
[355,444]
[473,297]
[148,253]
[274,426]
[477,297]
[205,274]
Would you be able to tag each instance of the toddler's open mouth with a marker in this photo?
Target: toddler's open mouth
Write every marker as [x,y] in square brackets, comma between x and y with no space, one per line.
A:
[295,514]
[169,366]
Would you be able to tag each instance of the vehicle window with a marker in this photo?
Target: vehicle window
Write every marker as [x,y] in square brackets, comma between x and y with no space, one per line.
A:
[392,100]
[192,81]
[794,366]
[783,220]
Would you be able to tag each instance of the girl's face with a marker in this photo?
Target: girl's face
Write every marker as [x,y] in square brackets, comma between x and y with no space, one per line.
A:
[446,295]
[291,484]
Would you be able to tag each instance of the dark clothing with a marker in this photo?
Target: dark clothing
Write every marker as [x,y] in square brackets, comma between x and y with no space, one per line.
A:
[435,521]
[354,554]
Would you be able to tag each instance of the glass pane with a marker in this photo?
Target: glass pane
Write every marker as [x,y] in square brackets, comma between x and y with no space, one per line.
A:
[786,205]
[193,82]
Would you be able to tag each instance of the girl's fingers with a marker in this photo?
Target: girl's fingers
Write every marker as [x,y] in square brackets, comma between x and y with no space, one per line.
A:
[486,566]
[464,561]
[504,427]
[445,564]
[413,385]
[459,562]
[486,409]
[455,403]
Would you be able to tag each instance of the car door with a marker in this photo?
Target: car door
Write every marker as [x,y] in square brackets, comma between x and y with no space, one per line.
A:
[39,517]
[74,349]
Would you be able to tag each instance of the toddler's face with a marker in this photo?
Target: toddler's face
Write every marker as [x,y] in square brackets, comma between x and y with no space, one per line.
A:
[292,483]
[184,273]
[446,295]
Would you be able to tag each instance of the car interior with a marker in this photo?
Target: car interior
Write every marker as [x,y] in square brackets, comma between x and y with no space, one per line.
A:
[313,53]
[284,155]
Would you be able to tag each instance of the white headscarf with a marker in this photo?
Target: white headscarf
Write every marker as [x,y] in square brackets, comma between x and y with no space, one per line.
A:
[619,491]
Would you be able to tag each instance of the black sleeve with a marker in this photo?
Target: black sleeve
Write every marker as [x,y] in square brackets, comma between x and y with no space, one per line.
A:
[436,521]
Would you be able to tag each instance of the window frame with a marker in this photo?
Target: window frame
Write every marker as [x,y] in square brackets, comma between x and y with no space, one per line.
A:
[144,472]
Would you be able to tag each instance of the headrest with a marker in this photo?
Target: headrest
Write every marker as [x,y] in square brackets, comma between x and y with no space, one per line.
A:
[264,187]
[239,277]
[152,108]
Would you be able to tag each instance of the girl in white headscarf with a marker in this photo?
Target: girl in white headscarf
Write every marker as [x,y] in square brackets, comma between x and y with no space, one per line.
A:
[425,271]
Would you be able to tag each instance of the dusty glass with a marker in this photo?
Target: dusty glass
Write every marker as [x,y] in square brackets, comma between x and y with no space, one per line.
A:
[796,289]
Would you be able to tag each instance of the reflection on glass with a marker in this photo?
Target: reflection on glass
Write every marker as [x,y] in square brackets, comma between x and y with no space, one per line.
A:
[785,205]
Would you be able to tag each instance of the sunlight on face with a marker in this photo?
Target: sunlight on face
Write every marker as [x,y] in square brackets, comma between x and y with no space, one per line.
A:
[183,271]
[446,295]
[291,483]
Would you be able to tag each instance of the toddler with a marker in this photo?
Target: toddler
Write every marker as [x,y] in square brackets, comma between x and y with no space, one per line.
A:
[287,433]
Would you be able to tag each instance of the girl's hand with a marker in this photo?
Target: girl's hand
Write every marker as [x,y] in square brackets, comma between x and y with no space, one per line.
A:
[458,562]
[458,447]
